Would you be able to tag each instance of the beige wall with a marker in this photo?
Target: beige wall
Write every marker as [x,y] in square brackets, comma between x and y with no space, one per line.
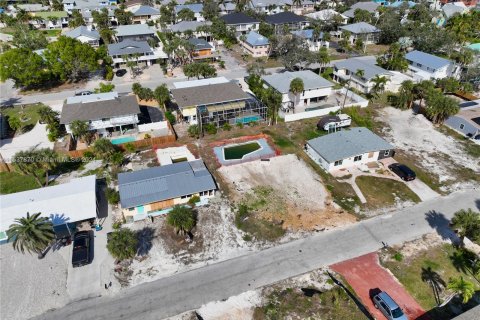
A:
[257,51]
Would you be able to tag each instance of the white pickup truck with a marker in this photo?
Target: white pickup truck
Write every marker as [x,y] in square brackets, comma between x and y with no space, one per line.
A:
[336,121]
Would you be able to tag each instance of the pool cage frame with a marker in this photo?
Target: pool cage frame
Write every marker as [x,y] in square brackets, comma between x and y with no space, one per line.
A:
[231,112]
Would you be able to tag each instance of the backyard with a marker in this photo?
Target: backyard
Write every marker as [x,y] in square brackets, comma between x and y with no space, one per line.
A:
[12,182]
[27,114]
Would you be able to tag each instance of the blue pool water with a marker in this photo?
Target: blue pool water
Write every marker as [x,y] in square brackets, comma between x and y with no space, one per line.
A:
[123,140]
[475,46]
[249,119]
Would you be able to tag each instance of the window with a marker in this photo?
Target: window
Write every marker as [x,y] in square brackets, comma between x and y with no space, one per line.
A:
[462,126]
[386,153]
[338,163]
[357,158]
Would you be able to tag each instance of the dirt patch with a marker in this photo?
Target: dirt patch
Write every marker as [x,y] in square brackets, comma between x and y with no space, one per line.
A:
[410,249]
[284,189]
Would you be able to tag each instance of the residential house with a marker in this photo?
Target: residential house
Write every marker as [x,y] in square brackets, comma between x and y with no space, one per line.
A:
[65,205]
[366,32]
[328,16]
[196,8]
[88,17]
[139,51]
[217,101]
[143,14]
[227,8]
[348,148]
[185,28]
[467,120]
[84,35]
[269,6]
[425,66]
[131,5]
[135,32]
[31,7]
[240,22]
[314,43]
[346,71]
[316,88]
[255,44]
[369,6]
[306,6]
[201,49]
[49,19]
[284,21]
[155,191]
[70,5]
[451,9]
[467,3]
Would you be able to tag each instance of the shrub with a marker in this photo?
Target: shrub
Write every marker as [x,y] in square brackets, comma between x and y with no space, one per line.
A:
[108,73]
[239,125]
[88,154]
[194,131]
[170,117]
[221,64]
[182,219]
[113,196]
[193,200]
[147,136]
[122,244]
[130,147]
[398,256]
[226,126]
[116,225]
[210,128]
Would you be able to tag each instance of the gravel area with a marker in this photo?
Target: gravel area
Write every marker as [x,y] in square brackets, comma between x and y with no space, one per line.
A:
[30,286]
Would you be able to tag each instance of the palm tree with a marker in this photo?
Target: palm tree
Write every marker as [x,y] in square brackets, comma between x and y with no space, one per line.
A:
[406,95]
[467,224]
[182,219]
[462,287]
[296,87]
[104,149]
[49,162]
[435,281]
[162,95]
[47,115]
[358,73]
[323,57]
[122,244]
[31,233]
[80,129]
[379,83]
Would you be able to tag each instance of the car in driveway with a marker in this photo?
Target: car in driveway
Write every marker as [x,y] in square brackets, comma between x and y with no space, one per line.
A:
[83,93]
[404,172]
[120,72]
[388,307]
[81,249]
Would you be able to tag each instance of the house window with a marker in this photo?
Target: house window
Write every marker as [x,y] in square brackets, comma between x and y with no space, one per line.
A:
[338,163]
[386,153]
[462,126]
[357,158]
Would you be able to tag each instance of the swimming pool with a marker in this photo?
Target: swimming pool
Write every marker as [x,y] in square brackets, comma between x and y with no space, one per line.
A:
[248,119]
[474,46]
[238,151]
[123,140]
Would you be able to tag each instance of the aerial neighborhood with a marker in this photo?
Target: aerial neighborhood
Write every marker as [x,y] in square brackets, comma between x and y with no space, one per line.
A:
[230,159]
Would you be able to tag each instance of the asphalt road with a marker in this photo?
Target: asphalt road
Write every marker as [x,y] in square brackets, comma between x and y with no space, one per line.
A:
[189,290]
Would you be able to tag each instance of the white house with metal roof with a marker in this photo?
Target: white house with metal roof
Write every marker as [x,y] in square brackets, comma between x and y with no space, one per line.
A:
[138,51]
[255,44]
[136,32]
[348,148]
[361,30]
[314,43]
[142,14]
[425,66]
[196,8]
[84,35]
[155,191]
[316,88]
[64,204]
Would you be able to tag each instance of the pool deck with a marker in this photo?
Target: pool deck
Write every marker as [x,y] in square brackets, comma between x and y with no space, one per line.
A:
[264,152]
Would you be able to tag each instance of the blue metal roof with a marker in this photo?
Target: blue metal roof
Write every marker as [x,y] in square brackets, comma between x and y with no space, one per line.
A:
[256,39]
[146,11]
[195,7]
[427,59]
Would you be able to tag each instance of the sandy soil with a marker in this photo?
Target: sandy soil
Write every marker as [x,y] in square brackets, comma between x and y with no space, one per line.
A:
[436,151]
[308,203]
[410,249]
[239,307]
[30,286]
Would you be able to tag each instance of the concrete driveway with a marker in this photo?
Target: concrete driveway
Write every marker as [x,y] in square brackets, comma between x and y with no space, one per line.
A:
[367,277]
[35,138]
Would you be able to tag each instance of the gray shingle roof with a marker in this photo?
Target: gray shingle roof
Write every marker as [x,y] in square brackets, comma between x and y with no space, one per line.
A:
[311,80]
[284,17]
[199,44]
[146,11]
[348,143]
[194,7]
[133,30]
[370,6]
[120,106]
[162,183]
[362,63]
[360,27]
[189,25]
[83,31]
[238,18]
[209,94]
[128,47]
[426,59]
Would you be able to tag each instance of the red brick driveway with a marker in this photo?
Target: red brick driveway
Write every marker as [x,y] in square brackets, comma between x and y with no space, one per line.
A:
[364,274]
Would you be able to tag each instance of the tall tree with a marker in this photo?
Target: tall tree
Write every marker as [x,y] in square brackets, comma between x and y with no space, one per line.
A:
[25,38]
[323,58]
[462,287]
[76,20]
[185,15]
[393,59]
[31,233]
[467,224]
[379,83]
[26,68]
[182,219]
[80,130]
[33,163]
[296,87]
[122,244]
[406,96]
[162,95]
[439,107]
[123,17]
[104,149]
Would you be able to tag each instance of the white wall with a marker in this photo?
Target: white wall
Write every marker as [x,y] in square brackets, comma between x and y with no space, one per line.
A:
[307,94]
[109,123]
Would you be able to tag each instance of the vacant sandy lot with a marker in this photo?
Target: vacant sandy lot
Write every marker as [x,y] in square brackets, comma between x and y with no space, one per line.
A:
[416,135]
[306,202]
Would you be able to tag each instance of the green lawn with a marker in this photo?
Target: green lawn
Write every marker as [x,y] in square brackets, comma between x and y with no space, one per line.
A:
[294,304]
[11,182]
[28,113]
[382,192]
[409,273]
[51,32]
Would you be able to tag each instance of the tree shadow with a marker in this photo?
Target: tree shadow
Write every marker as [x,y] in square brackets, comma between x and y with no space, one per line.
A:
[467,262]
[441,224]
[359,304]
[477,203]
[435,281]
[59,219]
[145,238]
[310,292]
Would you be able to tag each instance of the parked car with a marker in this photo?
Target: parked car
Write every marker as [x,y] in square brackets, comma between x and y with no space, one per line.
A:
[404,172]
[388,306]
[332,122]
[120,72]
[81,249]
[83,93]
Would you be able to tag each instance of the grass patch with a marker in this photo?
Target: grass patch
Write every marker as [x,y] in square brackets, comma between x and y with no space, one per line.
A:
[292,303]
[246,221]
[51,32]
[27,114]
[361,117]
[11,182]
[382,192]
[409,272]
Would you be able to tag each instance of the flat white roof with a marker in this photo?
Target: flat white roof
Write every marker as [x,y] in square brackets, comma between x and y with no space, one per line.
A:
[64,203]
[93,97]
[201,82]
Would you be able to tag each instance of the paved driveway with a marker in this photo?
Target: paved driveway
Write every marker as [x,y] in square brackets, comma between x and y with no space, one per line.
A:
[35,138]
[365,275]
